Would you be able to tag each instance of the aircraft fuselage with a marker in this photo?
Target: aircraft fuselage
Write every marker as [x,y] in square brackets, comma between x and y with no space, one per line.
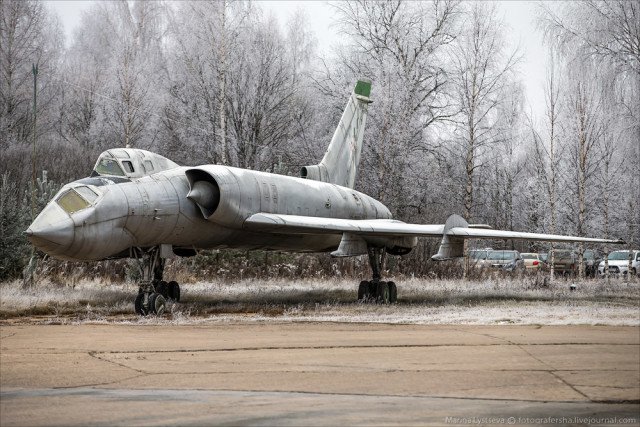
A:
[154,210]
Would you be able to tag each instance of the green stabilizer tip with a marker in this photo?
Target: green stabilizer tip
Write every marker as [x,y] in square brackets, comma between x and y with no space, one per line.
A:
[363,88]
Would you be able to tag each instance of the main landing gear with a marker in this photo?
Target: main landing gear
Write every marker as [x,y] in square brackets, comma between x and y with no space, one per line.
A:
[153,292]
[377,290]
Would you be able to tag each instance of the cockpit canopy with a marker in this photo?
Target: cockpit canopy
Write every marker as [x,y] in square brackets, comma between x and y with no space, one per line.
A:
[130,163]
[77,198]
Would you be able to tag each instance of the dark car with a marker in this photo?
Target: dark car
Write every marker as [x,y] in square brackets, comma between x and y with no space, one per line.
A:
[565,262]
[592,259]
[506,260]
[477,257]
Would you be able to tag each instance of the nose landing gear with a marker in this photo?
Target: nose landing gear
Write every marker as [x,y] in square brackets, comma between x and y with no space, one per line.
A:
[153,292]
[377,290]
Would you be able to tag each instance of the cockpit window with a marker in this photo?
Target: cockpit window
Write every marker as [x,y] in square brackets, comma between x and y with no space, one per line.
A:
[128,166]
[71,201]
[108,166]
[87,193]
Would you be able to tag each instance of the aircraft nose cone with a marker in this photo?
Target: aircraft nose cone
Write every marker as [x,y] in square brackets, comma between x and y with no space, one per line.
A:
[52,231]
[61,234]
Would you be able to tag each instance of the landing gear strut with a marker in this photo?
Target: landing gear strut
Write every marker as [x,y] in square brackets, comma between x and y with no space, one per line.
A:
[153,292]
[376,289]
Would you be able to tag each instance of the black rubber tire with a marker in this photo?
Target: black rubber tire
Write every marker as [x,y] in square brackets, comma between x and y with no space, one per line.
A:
[393,292]
[363,291]
[382,293]
[174,291]
[162,288]
[373,289]
[140,310]
[157,304]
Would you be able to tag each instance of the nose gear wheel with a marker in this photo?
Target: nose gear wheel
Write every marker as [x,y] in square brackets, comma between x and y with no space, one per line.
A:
[153,292]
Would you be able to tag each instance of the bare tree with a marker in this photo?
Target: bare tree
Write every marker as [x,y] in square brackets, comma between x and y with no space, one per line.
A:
[509,154]
[481,72]
[547,156]
[29,35]
[203,38]
[608,30]
[261,95]
[114,69]
[585,110]
[607,34]
[402,47]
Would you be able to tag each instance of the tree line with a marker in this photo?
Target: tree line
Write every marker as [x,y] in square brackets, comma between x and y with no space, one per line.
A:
[223,82]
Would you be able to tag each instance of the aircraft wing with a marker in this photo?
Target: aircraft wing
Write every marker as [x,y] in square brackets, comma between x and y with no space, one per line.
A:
[296,224]
[473,233]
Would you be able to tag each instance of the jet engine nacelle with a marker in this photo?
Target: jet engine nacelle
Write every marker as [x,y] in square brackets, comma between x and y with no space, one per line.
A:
[315,172]
[217,192]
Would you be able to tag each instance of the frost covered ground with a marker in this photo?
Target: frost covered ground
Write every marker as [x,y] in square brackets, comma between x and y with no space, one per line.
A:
[421,301]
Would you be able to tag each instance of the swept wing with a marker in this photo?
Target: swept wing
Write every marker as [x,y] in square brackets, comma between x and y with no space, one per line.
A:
[453,232]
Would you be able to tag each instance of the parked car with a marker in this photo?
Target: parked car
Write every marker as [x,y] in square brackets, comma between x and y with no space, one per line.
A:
[477,257]
[506,260]
[532,261]
[619,263]
[591,260]
[544,257]
[565,262]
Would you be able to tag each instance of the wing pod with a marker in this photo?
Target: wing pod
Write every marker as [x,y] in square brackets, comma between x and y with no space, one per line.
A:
[451,246]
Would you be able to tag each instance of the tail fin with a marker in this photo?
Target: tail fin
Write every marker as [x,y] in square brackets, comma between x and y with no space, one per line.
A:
[340,163]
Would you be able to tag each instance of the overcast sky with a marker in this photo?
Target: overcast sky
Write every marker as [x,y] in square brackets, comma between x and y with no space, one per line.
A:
[519,15]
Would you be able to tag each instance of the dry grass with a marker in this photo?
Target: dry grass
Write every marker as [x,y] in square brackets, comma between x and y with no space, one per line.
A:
[429,301]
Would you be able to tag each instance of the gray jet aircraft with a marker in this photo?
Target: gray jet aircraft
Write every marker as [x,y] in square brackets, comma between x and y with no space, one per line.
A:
[142,205]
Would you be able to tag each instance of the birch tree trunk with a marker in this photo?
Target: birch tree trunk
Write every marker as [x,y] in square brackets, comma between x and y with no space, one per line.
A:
[222,78]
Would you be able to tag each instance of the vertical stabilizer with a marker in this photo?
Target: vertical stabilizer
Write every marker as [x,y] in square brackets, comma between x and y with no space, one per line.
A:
[340,163]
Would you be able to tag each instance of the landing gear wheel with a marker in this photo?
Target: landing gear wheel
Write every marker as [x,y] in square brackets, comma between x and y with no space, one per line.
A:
[382,292]
[157,304]
[163,289]
[174,291]
[139,306]
[363,291]
[393,292]
[372,288]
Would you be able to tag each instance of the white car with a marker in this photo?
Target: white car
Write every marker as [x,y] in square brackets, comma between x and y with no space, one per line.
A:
[532,261]
[619,263]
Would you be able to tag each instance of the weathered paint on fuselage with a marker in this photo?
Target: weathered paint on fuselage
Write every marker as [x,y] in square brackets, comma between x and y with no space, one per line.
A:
[153,210]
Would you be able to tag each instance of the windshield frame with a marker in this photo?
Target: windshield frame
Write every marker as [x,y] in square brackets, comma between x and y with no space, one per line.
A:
[71,201]
[103,170]
[83,200]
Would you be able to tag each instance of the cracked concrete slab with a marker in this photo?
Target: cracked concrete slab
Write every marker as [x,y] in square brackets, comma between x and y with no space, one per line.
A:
[204,407]
[313,373]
